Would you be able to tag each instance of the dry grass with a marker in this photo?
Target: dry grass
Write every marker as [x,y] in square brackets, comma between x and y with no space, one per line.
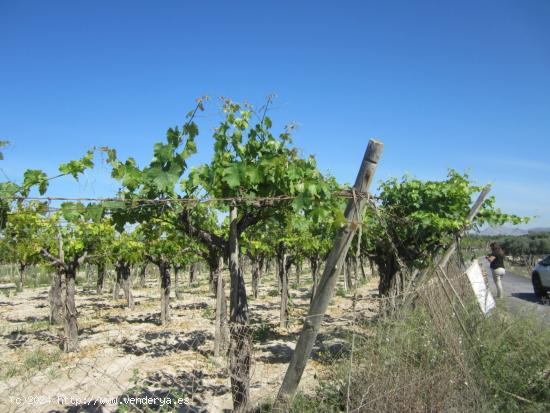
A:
[424,361]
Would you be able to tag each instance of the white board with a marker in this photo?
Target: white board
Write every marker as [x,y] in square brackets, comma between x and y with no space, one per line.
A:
[485,266]
[482,293]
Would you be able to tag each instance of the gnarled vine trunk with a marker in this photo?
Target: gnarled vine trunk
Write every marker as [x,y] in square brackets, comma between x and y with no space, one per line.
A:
[362,265]
[257,265]
[100,277]
[221,333]
[22,276]
[70,343]
[62,295]
[55,298]
[392,284]
[221,328]
[88,270]
[142,275]
[283,265]
[215,269]
[177,281]
[241,343]
[298,272]
[123,275]
[164,268]
[191,274]
[117,285]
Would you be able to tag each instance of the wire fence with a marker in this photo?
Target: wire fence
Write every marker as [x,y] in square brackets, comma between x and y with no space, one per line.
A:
[128,361]
[117,202]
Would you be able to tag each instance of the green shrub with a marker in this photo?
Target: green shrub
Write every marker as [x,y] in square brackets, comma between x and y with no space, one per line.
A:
[273,292]
[208,313]
[341,292]
[263,332]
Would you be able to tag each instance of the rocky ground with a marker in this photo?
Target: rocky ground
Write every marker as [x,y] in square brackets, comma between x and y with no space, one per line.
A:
[126,354]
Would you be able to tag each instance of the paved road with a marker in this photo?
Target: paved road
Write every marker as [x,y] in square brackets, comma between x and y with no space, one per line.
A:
[519,297]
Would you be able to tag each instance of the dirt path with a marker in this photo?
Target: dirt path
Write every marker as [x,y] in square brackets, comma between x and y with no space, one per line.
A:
[127,353]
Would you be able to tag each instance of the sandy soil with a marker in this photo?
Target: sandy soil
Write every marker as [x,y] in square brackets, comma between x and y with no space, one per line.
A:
[127,353]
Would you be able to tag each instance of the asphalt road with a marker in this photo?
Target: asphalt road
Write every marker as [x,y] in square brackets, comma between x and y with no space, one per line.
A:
[519,297]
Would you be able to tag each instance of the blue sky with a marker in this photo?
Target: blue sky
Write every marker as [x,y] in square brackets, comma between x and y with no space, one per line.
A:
[462,85]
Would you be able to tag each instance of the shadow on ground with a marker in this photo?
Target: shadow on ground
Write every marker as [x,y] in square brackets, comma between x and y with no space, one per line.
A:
[149,318]
[182,393]
[531,297]
[328,347]
[18,339]
[159,344]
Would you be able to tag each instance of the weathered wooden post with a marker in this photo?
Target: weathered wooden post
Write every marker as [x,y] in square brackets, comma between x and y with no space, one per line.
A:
[328,280]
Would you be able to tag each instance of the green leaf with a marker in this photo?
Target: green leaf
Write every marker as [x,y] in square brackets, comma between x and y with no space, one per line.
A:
[113,205]
[72,212]
[94,212]
[163,180]
[77,167]
[8,189]
[299,203]
[163,152]
[173,136]
[312,190]
[191,130]
[252,173]
[231,176]
[32,177]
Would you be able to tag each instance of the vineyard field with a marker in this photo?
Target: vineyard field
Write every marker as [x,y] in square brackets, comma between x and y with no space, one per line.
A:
[128,353]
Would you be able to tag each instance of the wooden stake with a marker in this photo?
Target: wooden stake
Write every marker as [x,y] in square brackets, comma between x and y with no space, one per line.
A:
[328,280]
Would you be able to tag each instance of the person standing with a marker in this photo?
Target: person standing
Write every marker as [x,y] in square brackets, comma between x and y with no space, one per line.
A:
[496,258]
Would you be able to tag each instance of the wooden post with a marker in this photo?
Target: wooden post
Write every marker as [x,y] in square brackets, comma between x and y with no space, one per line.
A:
[325,289]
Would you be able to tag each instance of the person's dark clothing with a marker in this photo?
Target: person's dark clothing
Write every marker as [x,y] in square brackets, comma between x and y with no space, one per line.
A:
[498,262]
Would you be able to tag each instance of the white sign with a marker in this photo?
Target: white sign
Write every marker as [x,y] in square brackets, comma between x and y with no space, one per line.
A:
[482,293]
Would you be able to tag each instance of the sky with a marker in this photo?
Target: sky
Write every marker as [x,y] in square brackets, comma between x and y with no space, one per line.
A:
[463,84]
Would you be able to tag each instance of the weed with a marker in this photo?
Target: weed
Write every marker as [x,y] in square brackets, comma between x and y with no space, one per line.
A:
[9,372]
[341,292]
[40,359]
[33,361]
[263,332]
[412,363]
[208,313]
[274,292]
[37,325]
